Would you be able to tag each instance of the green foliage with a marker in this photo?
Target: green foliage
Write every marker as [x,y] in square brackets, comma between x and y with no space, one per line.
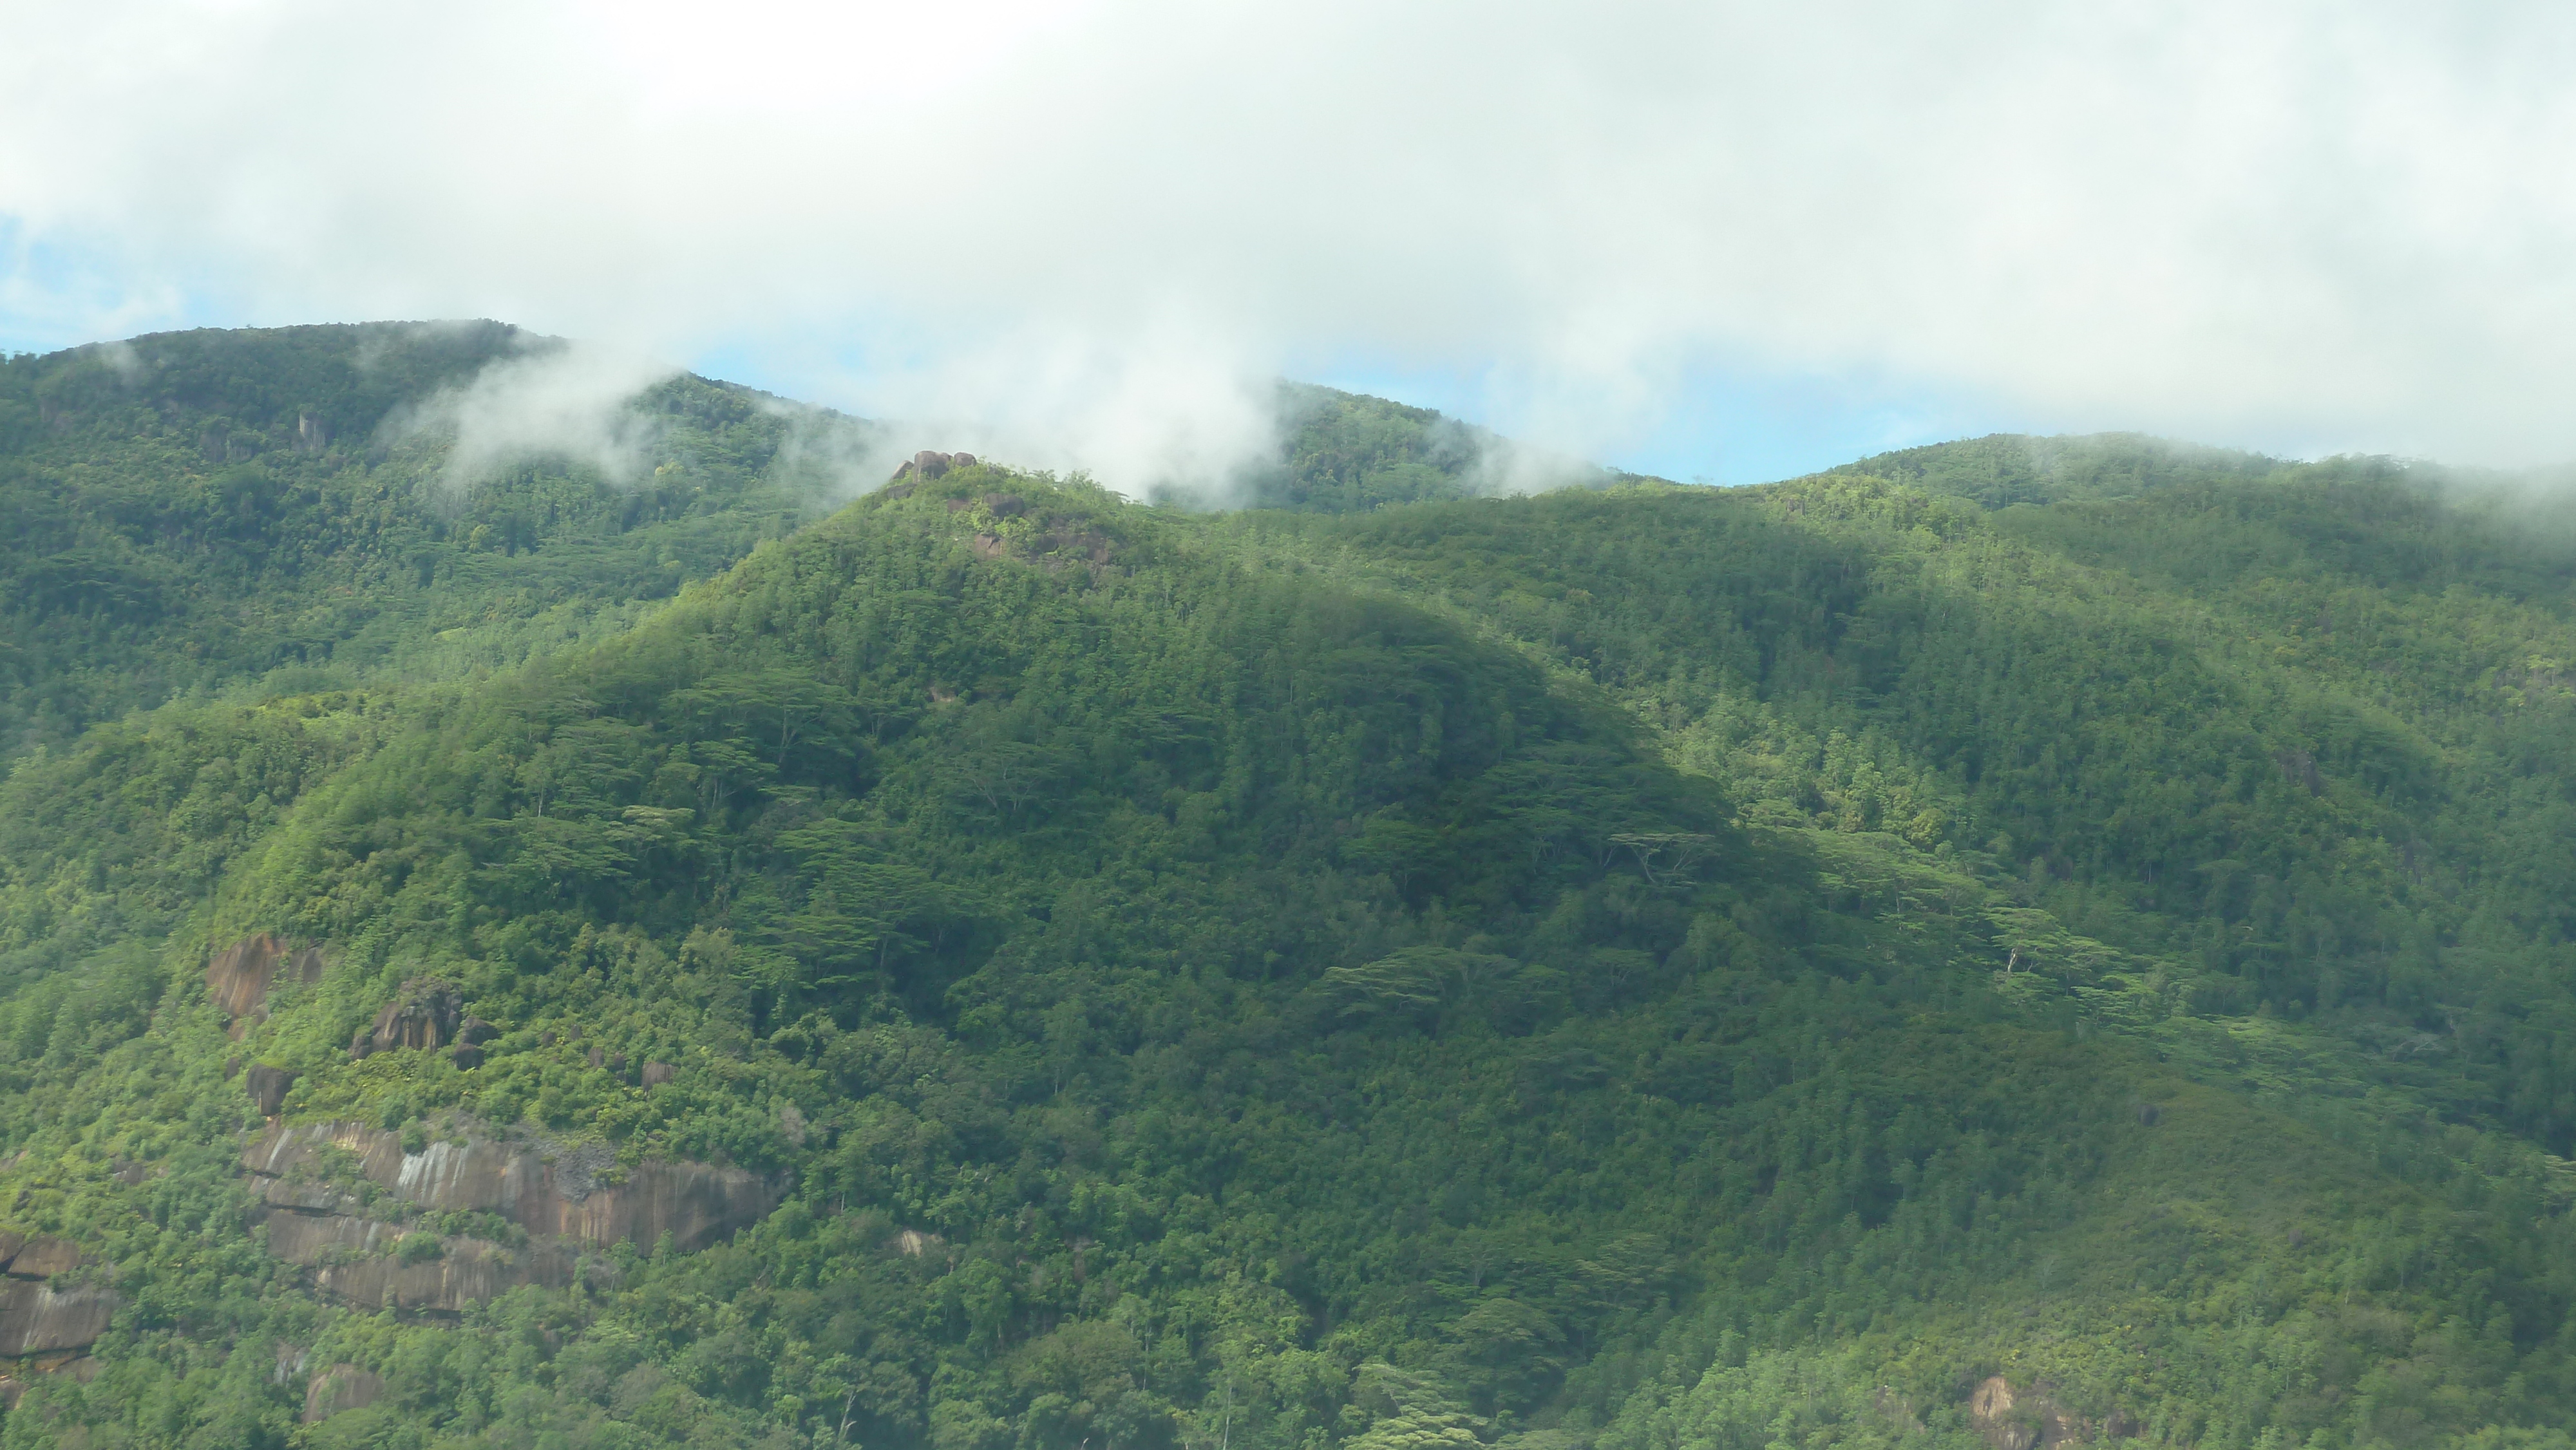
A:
[1629,969]
[192,512]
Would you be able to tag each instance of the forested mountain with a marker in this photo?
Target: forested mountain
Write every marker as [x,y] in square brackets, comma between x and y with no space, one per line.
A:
[186,510]
[2016,943]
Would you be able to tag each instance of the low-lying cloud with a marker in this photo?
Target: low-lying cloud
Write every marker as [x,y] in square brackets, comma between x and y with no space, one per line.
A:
[2295,225]
[558,402]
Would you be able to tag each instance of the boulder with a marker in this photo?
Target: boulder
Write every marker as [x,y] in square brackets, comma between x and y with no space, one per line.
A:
[240,977]
[267,1087]
[658,1073]
[341,1387]
[426,1013]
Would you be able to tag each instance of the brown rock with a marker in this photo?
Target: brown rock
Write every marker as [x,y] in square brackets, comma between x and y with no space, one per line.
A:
[466,1272]
[961,460]
[1990,1414]
[658,1073]
[553,1193]
[239,977]
[693,1202]
[341,1387]
[597,1058]
[44,1256]
[424,1014]
[468,1056]
[474,1031]
[308,1238]
[2031,1419]
[10,1244]
[36,1320]
[310,1194]
[267,1086]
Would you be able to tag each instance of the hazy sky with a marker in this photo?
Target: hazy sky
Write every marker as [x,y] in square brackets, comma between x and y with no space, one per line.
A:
[1708,240]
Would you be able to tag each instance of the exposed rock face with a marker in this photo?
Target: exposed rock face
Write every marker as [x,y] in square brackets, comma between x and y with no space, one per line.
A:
[42,1257]
[267,1086]
[466,1271]
[426,1013]
[341,1387]
[929,463]
[239,977]
[658,1073]
[561,1204]
[697,1205]
[2031,1419]
[34,1319]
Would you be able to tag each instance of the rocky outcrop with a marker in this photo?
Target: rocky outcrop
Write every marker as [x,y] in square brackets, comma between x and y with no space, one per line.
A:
[240,977]
[929,463]
[40,1257]
[267,1087]
[2032,1419]
[550,1192]
[554,1192]
[37,1319]
[341,1387]
[426,1013]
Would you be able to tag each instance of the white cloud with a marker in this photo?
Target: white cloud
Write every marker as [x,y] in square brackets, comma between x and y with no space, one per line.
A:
[2300,224]
[558,402]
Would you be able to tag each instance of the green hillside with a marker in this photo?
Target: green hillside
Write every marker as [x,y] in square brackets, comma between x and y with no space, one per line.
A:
[186,512]
[2015,944]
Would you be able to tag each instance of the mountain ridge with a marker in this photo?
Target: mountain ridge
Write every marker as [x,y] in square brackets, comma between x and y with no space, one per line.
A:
[1592,969]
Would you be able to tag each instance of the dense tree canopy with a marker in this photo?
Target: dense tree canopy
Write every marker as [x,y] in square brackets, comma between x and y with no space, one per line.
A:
[1635,967]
